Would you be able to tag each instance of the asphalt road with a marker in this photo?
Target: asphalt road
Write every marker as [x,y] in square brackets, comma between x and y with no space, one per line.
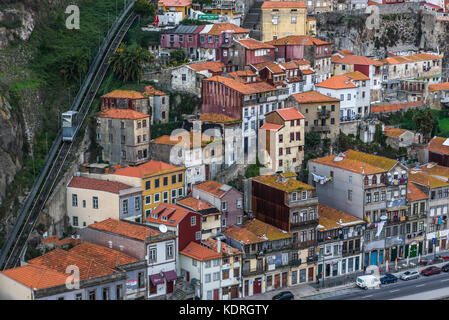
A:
[416,288]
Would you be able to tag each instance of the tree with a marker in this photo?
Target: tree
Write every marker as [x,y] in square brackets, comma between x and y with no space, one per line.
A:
[379,136]
[203,2]
[74,65]
[144,8]
[312,140]
[128,61]
[178,55]
[425,122]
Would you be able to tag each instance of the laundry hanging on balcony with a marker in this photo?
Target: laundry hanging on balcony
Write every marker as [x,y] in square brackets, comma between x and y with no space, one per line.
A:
[320,179]
[380,225]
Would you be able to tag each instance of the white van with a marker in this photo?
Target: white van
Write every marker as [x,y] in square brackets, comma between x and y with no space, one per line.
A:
[368,282]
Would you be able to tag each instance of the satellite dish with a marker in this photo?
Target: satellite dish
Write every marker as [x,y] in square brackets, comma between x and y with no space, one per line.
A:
[383,218]
[163,228]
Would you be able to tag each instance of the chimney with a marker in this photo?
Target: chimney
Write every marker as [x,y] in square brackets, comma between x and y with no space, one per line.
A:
[218,245]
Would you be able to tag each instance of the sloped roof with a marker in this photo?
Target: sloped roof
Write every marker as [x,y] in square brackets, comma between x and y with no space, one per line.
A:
[423,178]
[217,118]
[124,94]
[393,132]
[331,218]
[212,66]
[290,185]
[215,188]
[36,276]
[290,114]
[131,230]
[396,107]
[414,193]
[243,88]
[265,230]
[271,126]
[356,76]
[176,3]
[337,82]
[149,168]
[195,204]
[200,252]
[439,86]
[298,40]
[121,114]
[173,212]
[225,248]
[219,28]
[312,97]
[283,4]
[187,140]
[97,184]
[437,144]
[151,91]
[253,44]
[353,59]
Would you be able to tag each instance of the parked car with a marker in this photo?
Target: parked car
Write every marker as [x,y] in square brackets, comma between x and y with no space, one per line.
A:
[424,262]
[441,258]
[445,268]
[368,282]
[284,295]
[430,270]
[388,278]
[409,275]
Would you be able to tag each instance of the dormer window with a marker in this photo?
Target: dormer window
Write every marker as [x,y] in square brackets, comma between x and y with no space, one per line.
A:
[164,218]
[304,195]
[294,196]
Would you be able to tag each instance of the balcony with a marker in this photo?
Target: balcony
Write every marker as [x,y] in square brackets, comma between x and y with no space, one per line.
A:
[304,245]
[323,114]
[321,129]
[347,253]
[262,99]
[303,224]
[295,263]
[304,202]
[249,272]
[397,182]
[312,259]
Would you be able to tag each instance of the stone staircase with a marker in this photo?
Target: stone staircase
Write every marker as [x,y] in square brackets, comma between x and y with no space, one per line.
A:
[182,291]
[252,21]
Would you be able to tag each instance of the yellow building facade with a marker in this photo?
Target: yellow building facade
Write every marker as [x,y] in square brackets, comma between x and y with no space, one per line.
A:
[283,18]
[183,6]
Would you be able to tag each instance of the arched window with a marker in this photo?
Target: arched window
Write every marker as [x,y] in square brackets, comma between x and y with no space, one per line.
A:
[366,181]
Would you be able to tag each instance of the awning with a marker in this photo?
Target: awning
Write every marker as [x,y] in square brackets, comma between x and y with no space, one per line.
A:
[170,275]
[156,279]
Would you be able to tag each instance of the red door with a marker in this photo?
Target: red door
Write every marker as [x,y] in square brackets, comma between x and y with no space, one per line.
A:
[187,276]
[169,286]
[216,294]
[246,288]
[257,287]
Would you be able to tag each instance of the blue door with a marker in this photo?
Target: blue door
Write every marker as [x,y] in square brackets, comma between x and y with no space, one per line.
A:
[366,259]
[381,256]
[373,258]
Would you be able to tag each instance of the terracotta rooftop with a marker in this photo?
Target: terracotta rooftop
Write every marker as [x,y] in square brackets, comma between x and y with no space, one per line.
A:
[353,59]
[288,65]
[298,40]
[356,76]
[241,234]
[292,184]
[289,113]
[359,162]
[301,62]
[172,213]
[438,145]
[266,231]
[124,228]
[397,107]
[195,204]
[330,218]
[212,66]
[185,139]
[313,97]
[253,44]
[439,87]
[345,52]
[121,114]
[271,126]
[146,169]
[36,276]
[124,94]
[283,4]
[151,91]
[307,71]
[200,252]
[215,188]
[426,179]
[410,58]
[393,132]
[436,170]
[175,3]
[414,193]
[62,242]
[218,118]
[219,28]
[225,249]
[97,184]
[243,88]
[337,82]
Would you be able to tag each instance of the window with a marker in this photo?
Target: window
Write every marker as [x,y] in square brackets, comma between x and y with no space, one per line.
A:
[125,206]
[281,138]
[194,263]
[224,206]
[95,202]
[79,296]
[350,195]
[157,197]
[152,255]
[148,199]
[92,295]
[165,181]
[118,292]
[207,278]
[180,178]
[74,200]
[216,276]
[75,221]
[198,235]
[106,293]
[225,274]
[148,185]
[193,221]
[141,280]
[368,198]
[165,196]
[156,183]
[239,203]
[136,203]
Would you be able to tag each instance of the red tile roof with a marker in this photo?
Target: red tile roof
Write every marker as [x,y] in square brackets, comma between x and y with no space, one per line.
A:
[212,66]
[199,252]
[97,184]
[55,239]
[172,212]
[271,126]
[106,256]
[331,218]
[225,249]
[436,145]
[397,107]
[121,114]
[242,235]
[217,118]
[195,204]
[290,114]
[298,40]
[151,91]
[337,82]
[124,94]
[356,76]
[283,4]
[353,59]
[253,44]
[414,193]
[219,28]
[289,185]
[439,86]
[213,187]
[312,97]
[130,230]
[393,132]
[186,139]
[243,88]
[149,168]
[36,276]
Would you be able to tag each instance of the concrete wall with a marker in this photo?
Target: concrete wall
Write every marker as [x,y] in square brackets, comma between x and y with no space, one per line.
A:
[12,290]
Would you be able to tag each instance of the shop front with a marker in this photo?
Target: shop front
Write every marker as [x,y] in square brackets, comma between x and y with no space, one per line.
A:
[374,253]
[394,248]
[414,247]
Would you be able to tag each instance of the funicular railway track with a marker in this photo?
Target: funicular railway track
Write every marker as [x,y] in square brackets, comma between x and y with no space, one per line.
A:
[58,159]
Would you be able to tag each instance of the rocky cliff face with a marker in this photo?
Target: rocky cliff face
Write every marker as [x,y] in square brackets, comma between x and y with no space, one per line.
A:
[15,24]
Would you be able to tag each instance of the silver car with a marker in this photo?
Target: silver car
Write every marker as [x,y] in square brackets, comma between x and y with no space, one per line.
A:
[410,274]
